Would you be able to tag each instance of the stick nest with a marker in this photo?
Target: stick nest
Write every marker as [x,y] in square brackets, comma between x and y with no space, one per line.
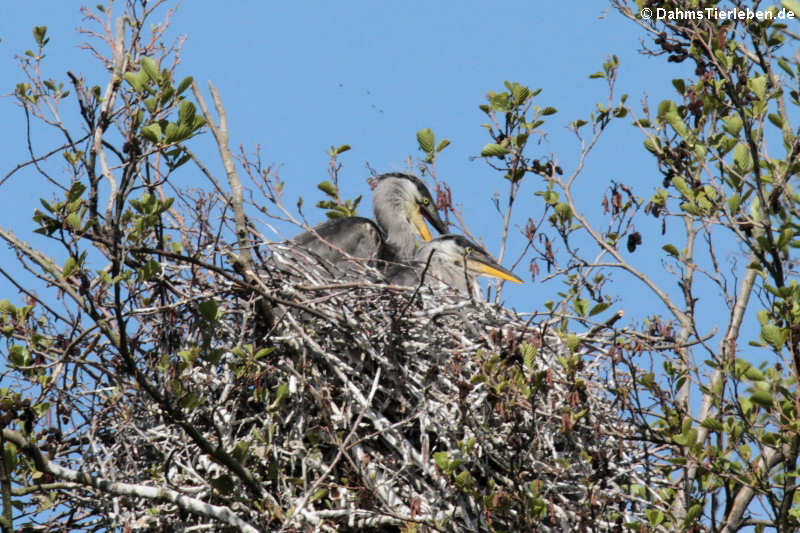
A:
[334,402]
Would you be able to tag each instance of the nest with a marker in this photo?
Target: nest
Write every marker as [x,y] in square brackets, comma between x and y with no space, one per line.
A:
[334,402]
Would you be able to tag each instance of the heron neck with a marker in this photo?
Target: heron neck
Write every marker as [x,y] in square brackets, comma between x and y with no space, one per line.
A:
[390,206]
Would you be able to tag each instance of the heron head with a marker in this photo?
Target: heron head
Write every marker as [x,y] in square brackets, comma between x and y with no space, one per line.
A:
[416,202]
[462,253]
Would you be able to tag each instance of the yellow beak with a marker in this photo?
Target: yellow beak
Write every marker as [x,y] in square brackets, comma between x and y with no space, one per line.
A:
[419,222]
[494,271]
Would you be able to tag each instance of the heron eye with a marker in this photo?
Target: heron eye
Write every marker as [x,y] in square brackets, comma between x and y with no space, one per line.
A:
[425,201]
[467,250]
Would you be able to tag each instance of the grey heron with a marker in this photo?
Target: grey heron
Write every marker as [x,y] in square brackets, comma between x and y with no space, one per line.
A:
[401,203]
[454,261]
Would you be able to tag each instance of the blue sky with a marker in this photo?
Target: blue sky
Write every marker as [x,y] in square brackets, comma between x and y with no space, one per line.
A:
[298,77]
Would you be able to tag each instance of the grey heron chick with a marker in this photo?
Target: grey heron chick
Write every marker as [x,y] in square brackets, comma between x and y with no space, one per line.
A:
[454,261]
[401,203]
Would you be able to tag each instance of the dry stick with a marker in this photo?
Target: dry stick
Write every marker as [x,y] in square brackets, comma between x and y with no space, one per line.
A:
[32,296]
[120,61]
[605,325]
[236,200]
[741,502]
[725,349]
[56,277]
[421,282]
[7,518]
[242,258]
[191,505]
[299,508]
[191,260]
[687,280]
[37,159]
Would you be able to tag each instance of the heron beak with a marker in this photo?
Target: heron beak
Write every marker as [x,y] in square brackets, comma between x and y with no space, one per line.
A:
[419,222]
[432,214]
[487,267]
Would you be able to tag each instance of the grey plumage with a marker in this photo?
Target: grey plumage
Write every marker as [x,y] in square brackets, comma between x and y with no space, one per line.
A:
[356,236]
[400,202]
[452,260]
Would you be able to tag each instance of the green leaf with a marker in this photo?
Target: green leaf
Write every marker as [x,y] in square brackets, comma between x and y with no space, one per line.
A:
[679,85]
[563,211]
[464,480]
[74,221]
[784,238]
[551,197]
[171,132]
[150,270]
[494,150]
[281,393]
[10,456]
[700,151]
[671,250]
[572,341]
[793,6]
[758,84]
[652,145]
[19,355]
[151,69]
[134,80]
[263,352]
[733,124]
[682,187]
[692,514]
[39,33]
[186,113]
[754,374]
[208,309]
[519,92]
[75,191]
[69,266]
[151,103]
[318,494]
[183,85]
[549,111]
[328,188]
[666,106]
[691,208]
[734,201]
[712,424]
[199,122]
[581,306]
[774,336]
[762,398]
[426,140]
[442,145]
[152,132]
[677,123]
[660,197]
[442,460]
[741,157]
[500,102]
[599,308]
[240,450]
[785,66]
[654,516]
[776,120]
